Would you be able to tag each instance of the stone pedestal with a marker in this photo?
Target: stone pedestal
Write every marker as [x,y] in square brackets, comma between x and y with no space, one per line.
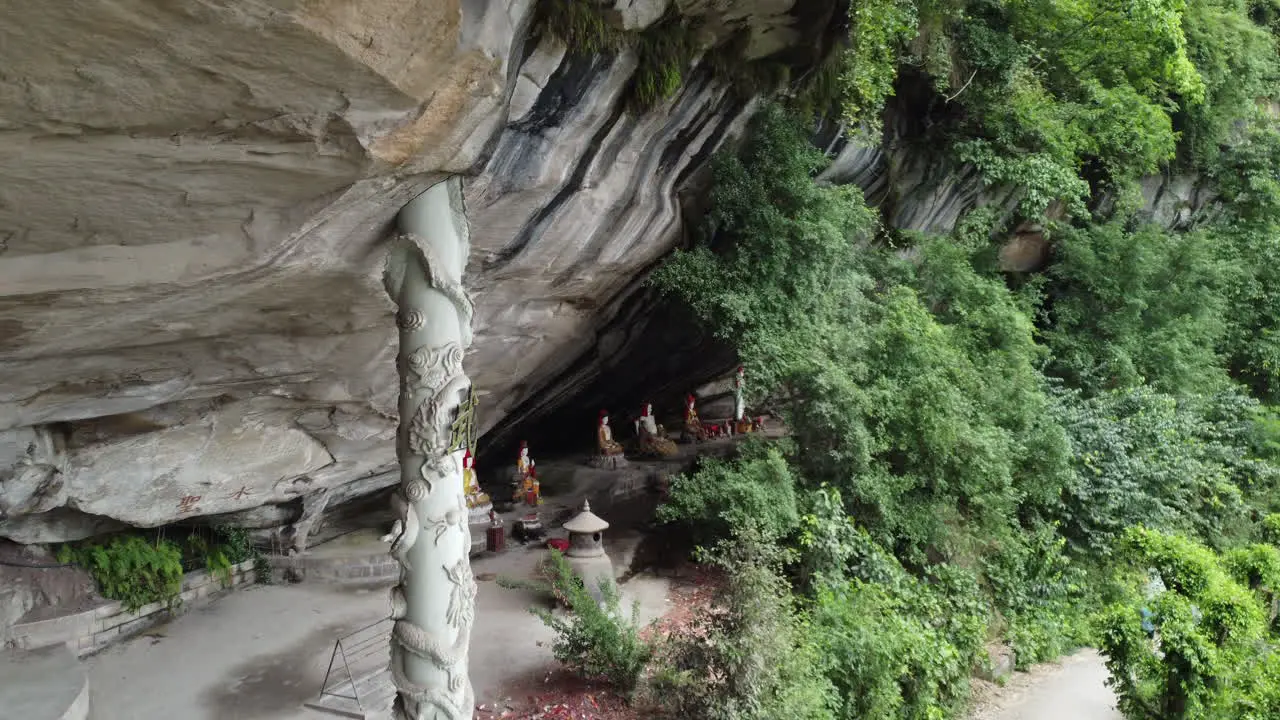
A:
[609,462]
[478,527]
[593,571]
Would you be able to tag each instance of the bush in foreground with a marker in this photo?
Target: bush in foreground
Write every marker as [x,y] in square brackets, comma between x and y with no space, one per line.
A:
[1211,656]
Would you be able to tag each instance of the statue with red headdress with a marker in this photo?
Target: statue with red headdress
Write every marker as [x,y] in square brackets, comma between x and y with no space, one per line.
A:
[693,428]
[532,488]
[653,439]
[471,486]
[610,454]
[524,481]
[524,464]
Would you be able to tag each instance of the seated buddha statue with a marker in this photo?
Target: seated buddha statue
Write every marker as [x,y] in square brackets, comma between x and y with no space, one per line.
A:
[609,454]
[693,429]
[519,478]
[653,438]
[476,499]
[604,437]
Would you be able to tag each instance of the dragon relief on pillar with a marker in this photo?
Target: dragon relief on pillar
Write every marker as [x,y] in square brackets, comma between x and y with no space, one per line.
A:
[444,389]
[434,384]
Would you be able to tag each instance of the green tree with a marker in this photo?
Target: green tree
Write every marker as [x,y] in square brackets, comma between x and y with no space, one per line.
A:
[1134,307]
[1212,656]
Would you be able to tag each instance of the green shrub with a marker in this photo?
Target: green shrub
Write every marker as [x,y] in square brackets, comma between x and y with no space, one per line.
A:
[235,544]
[130,568]
[1213,659]
[1257,567]
[828,541]
[721,497]
[218,549]
[753,655]
[897,646]
[1271,529]
[1170,463]
[595,640]
[1133,306]
[212,557]
[1039,593]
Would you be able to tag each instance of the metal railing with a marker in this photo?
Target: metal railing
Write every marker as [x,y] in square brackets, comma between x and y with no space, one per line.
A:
[356,656]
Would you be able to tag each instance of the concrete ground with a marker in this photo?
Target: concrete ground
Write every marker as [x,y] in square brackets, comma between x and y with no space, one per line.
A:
[1074,689]
[46,683]
[262,652]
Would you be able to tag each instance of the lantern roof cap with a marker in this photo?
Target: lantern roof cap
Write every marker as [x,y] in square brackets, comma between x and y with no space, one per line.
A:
[586,522]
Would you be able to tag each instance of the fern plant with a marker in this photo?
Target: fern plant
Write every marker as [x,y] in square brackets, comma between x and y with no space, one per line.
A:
[131,569]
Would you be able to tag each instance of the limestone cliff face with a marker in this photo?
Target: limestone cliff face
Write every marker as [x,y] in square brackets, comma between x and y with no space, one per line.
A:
[194,204]
[195,200]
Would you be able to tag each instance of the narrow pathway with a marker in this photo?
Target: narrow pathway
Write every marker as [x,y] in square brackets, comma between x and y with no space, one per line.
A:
[261,652]
[1074,689]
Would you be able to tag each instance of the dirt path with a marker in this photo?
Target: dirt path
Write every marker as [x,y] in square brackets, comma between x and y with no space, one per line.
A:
[1074,689]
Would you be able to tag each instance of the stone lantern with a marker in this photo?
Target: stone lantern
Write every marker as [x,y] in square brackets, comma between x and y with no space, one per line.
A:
[586,553]
[585,540]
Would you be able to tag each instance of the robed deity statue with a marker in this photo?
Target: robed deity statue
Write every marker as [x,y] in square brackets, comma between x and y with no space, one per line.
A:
[520,476]
[609,453]
[693,429]
[604,437]
[525,479]
[742,423]
[532,488]
[476,498]
[652,437]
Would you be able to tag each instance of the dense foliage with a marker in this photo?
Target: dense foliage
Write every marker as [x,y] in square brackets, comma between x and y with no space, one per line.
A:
[971,450]
[968,450]
[1211,653]
[756,489]
[1066,99]
[754,655]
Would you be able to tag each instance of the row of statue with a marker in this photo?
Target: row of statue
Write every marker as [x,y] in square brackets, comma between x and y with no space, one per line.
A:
[652,440]
[525,486]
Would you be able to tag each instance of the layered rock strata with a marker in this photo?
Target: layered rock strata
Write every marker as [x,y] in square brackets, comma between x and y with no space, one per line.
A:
[196,206]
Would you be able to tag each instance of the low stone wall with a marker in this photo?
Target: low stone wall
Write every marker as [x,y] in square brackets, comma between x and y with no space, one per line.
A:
[362,563]
[355,568]
[93,629]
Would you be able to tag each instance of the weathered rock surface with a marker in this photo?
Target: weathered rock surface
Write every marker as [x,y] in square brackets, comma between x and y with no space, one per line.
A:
[33,580]
[920,190]
[194,201]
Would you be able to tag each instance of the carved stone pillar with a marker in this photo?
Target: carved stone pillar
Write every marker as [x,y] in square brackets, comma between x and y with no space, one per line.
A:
[434,604]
